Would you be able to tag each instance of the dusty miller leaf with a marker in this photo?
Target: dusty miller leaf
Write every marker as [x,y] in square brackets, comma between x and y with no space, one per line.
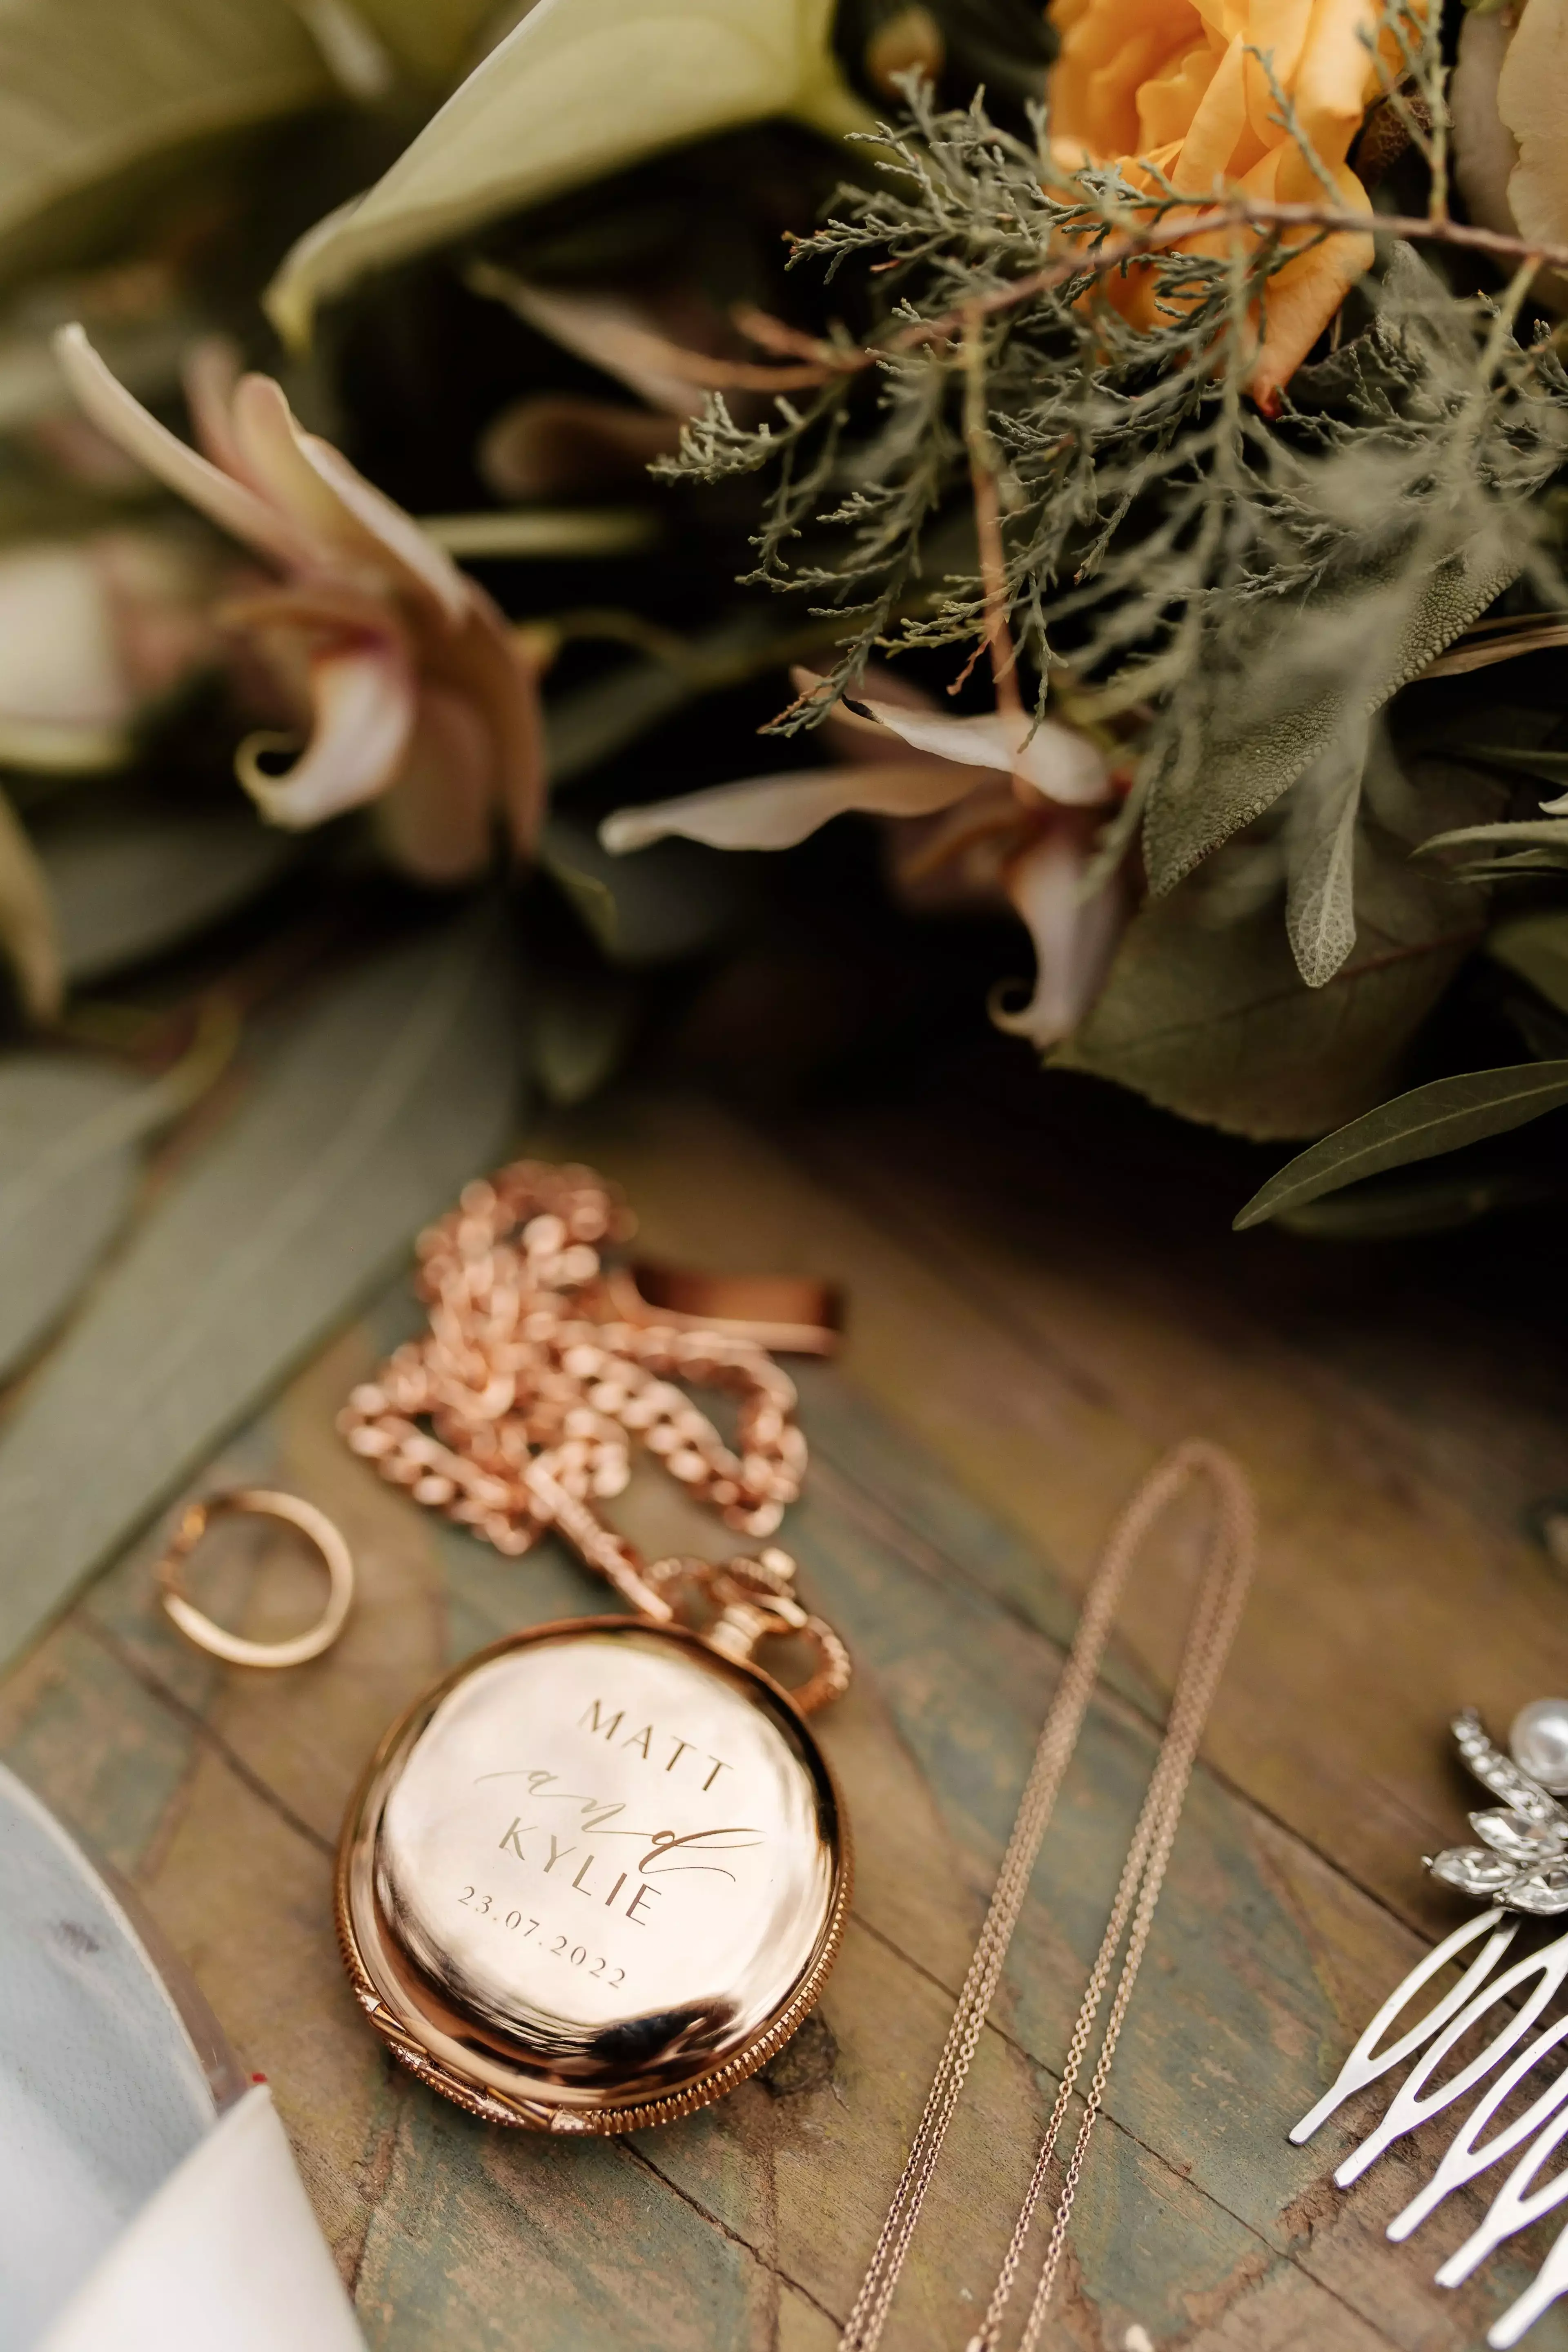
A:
[1214,1022]
[1320,903]
[1417,1125]
[1299,672]
[377,1105]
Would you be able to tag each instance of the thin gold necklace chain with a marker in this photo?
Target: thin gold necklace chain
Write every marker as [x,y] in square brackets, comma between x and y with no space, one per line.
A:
[1216,1615]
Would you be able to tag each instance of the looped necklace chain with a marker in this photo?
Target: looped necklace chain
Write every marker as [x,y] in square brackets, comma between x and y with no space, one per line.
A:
[1215,1615]
[517,1408]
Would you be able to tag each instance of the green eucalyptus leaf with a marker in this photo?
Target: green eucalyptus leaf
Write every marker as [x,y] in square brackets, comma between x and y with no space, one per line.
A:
[71,1130]
[652,908]
[377,1104]
[579,1030]
[1550,767]
[1417,1125]
[68,1170]
[101,98]
[591,723]
[1536,948]
[129,884]
[1380,1210]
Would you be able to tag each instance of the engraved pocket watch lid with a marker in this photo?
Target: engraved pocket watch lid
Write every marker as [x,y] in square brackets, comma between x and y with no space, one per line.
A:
[594,1878]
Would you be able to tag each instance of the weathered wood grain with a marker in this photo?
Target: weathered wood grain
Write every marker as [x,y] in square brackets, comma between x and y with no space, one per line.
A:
[995,1403]
[1043,1355]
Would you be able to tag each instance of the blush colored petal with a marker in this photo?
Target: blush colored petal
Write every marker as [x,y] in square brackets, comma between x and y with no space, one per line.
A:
[612,333]
[272,456]
[1531,92]
[486,664]
[364,708]
[775,812]
[232,504]
[394,534]
[559,445]
[334,503]
[318,608]
[1075,938]
[1485,148]
[1063,766]
[437,819]
[210,373]
[517,714]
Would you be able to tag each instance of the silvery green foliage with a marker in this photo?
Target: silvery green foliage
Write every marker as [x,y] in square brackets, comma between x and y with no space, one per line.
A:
[1240,593]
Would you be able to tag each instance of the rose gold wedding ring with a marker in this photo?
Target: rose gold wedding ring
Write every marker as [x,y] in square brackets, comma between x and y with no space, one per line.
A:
[259,1502]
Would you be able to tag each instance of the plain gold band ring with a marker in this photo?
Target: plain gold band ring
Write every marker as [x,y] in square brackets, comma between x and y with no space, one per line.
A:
[260,1502]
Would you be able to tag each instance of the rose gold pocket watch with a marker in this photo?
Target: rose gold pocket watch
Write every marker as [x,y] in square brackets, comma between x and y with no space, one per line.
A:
[596,1876]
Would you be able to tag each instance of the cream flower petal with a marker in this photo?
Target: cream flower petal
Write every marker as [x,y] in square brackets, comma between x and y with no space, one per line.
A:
[775,812]
[852,735]
[230,504]
[1075,938]
[364,712]
[1063,766]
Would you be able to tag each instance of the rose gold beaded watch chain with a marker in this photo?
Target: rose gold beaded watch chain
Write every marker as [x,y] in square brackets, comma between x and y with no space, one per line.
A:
[533,1386]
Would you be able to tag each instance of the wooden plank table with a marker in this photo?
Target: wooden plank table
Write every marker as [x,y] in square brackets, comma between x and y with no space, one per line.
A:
[1024,1341]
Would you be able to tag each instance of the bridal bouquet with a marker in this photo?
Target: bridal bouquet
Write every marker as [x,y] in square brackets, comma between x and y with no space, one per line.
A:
[1116,451]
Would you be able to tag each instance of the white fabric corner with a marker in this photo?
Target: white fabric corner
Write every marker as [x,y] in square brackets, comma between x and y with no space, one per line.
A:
[225,2257]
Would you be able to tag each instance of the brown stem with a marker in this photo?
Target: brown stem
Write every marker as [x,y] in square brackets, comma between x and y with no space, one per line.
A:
[1133,244]
[988,533]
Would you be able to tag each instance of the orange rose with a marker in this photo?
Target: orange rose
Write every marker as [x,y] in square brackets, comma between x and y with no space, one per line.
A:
[1169,86]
